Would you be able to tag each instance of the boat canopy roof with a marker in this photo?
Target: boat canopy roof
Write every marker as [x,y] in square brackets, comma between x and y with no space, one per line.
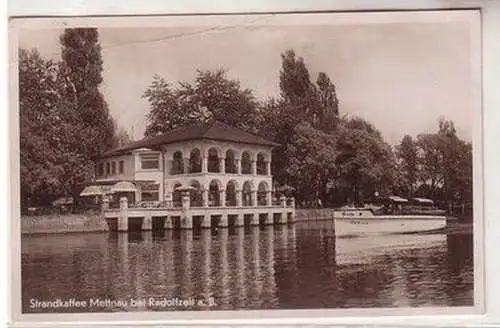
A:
[397,199]
[424,201]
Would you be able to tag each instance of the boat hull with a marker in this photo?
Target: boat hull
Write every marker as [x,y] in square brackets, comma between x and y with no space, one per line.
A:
[387,224]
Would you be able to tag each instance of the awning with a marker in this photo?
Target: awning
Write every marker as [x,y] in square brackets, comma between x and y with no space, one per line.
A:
[123,186]
[96,190]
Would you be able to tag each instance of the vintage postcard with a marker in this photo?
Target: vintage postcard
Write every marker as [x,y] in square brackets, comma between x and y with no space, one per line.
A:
[211,166]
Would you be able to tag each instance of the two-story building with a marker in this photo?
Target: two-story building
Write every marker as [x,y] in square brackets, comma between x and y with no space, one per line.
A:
[219,165]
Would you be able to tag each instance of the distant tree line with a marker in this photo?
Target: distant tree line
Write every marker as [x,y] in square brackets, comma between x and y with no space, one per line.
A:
[326,157]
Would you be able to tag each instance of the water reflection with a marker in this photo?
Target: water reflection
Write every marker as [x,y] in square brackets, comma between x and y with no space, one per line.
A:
[283,267]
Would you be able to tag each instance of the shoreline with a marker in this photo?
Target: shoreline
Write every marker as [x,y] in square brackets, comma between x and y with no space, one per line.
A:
[94,223]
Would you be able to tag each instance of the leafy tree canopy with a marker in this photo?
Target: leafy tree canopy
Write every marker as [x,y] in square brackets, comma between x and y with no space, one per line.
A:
[312,164]
[212,95]
[64,120]
[365,161]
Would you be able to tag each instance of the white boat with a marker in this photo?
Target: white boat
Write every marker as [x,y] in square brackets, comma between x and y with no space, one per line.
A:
[351,222]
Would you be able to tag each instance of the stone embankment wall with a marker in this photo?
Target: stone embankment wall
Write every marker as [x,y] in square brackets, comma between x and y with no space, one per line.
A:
[58,223]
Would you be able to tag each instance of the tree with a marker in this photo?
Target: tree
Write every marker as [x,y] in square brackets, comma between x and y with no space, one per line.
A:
[329,112]
[223,98]
[166,111]
[122,138]
[311,167]
[83,106]
[407,155]
[81,70]
[300,101]
[299,97]
[445,163]
[213,95]
[365,162]
[295,84]
[431,162]
[316,103]
[38,99]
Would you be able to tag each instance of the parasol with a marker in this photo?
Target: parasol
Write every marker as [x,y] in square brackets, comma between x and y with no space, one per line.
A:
[123,186]
[185,188]
[92,191]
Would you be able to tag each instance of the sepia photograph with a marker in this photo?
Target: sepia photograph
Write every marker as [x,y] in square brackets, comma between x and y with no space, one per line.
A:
[207,163]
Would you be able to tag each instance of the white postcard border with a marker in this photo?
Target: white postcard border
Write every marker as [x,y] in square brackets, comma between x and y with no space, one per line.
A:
[478,252]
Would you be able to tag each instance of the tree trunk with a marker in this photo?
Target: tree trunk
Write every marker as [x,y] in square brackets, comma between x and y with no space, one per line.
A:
[356,193]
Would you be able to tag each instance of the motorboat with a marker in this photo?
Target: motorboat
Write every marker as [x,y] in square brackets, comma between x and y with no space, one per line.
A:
[396,218]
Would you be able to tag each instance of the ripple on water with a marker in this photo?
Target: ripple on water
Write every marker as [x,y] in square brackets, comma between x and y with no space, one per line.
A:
[294,267]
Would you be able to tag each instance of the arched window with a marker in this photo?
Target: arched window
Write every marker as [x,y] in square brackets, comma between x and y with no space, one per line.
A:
[195,161]
[231,193]
[177,163]
[176,196]
[246,163]
[213,160]
[262,194]
[214,194]
[230,164]
[196,199]
[247,194]
[261,164]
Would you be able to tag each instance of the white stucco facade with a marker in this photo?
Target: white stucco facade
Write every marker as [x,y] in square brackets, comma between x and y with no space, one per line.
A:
[220,173]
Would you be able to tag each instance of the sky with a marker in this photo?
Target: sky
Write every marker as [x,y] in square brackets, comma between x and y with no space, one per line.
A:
[400,73]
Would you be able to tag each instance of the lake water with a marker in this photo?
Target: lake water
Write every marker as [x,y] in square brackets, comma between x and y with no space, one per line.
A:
[300,266]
